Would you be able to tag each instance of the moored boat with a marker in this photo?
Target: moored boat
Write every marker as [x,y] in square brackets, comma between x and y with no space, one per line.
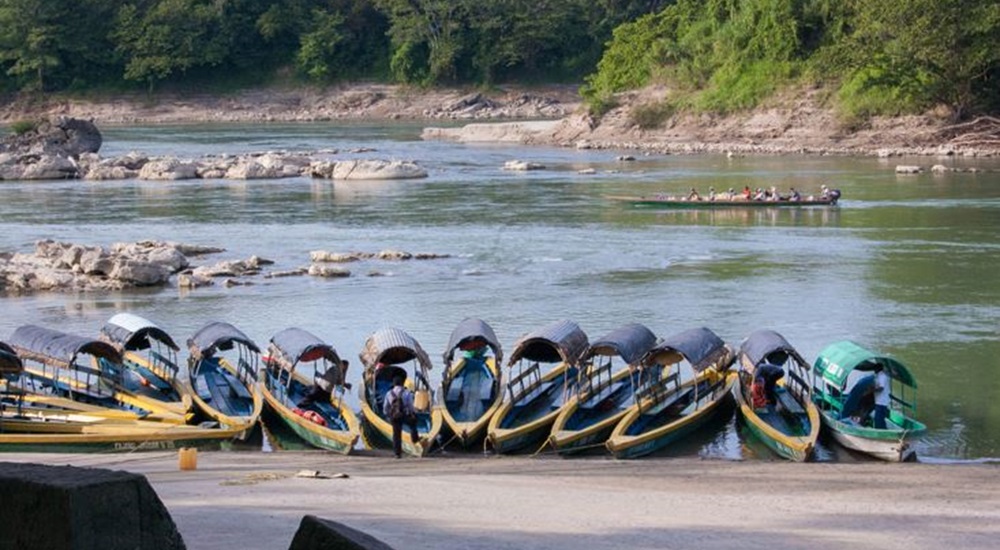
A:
[150,357]
[533,399]
[64,370]
[774,396]
[222,375]
[670,202]
[683,381]
[471,383]
[604,393]
[332,424]
[845,381]
[385,356]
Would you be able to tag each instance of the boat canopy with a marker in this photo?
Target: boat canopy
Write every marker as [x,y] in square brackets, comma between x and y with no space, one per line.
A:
[10,363]
[630,342]
[770,347]
[58,348]
[469,331]
[700,346]
[294,345]
[218,335]
[559,341]
[132,332]
[836,362]
[392,346]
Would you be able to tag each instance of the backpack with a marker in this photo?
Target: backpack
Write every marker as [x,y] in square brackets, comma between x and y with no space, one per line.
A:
[397,410]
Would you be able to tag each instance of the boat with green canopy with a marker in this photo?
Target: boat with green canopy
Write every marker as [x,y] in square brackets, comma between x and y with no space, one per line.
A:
[844,388]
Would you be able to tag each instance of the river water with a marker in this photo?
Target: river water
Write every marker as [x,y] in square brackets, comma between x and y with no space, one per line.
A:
[908,265]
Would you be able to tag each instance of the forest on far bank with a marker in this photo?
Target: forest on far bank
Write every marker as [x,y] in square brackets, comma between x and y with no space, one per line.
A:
[870,57]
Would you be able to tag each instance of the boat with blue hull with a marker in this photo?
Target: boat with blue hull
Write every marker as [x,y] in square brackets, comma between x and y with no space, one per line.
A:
[389,353]
[533,398]
[844,394]
[471,389]
[774,396]
[683,381]
[150,357]
[222,376]
[605,389]
[327,423]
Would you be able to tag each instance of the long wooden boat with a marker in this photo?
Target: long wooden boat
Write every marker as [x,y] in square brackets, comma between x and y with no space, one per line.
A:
[790,425]
[471,383]
[663,201]
[25,428]
[386,354]
[604,393]
[842,383]
[71,368]
[222,376]
[150,357]
[336,428]
[533,399]
[684,381]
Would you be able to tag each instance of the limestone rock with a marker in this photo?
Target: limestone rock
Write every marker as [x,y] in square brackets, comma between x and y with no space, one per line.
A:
[168,169]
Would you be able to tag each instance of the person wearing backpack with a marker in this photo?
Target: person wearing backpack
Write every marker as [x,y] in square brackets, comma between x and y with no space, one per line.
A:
[398,408]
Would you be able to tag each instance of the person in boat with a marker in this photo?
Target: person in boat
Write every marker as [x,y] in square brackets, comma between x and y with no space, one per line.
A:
[323,385]
[693,195]
[747,194]
[794,195]
[398,408]
[882,397]
[766,379]
[711,193]
[759,194]
[773,194]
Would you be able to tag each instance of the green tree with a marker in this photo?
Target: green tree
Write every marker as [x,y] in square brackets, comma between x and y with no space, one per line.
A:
[31,33]
[437,25]
[319,47]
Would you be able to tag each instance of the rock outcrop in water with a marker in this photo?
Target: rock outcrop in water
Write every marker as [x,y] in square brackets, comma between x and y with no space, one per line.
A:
[49,150]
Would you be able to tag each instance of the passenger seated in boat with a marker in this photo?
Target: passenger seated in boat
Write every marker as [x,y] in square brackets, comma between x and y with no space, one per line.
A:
[747,195]
[323,385]
[773,194]
[758,195]
[766,378]
[693,195]
[794,196]
[711,193]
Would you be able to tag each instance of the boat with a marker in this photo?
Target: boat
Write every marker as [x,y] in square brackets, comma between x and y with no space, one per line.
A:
[385,356]
[471,383]
[604,393]
[683,381]
[533,399]
[28,428]
[666,201]
[329,424]
[73,372]
[150,357]
[222,376]
[843,379]
[790,424]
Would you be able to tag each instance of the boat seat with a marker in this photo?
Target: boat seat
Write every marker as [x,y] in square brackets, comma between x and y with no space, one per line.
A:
[201,388]
[605,392]
[486,388]
[789,403]
[533,393]
[454,390]
[239,390]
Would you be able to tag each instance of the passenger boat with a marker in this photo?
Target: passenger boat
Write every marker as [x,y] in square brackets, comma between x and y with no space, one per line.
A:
[332,424]
[385,355]
[72,372]
[470,386]
[604,392]
[25,427]
[683,381]
[663,201]
[222,375]
[844,381]
[533,399]
[150,357]
[786,421]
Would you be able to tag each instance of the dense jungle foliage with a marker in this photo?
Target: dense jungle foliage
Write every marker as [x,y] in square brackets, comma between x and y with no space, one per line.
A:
[873,56]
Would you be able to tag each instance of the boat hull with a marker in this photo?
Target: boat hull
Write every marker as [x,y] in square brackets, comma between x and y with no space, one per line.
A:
[888,445]
[469,433]
[377,431]
[116,436]
[521,435]
[795,448]
[321,437]
[243,423]
[657,202]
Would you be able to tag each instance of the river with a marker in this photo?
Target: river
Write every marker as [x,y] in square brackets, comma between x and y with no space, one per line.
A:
[906,264]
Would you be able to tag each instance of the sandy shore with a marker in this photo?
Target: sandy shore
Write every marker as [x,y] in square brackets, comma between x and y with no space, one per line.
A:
[253,500]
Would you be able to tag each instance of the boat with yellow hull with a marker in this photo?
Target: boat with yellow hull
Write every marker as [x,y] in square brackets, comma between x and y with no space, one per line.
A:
[332,425]
[683,381]
[222,376]
[385,356]
[533,399]
[471,383]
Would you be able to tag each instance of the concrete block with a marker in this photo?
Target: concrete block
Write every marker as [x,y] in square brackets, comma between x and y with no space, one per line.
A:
[322,534]
[69,508]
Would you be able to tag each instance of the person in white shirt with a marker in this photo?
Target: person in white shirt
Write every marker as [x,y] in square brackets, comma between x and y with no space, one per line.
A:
[400,414]
[882,396]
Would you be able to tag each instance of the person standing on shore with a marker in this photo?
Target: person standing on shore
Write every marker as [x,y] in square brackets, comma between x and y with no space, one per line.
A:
[882,397]
[398,408]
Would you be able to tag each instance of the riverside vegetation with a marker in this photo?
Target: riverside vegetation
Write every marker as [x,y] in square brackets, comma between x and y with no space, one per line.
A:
[867,57]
